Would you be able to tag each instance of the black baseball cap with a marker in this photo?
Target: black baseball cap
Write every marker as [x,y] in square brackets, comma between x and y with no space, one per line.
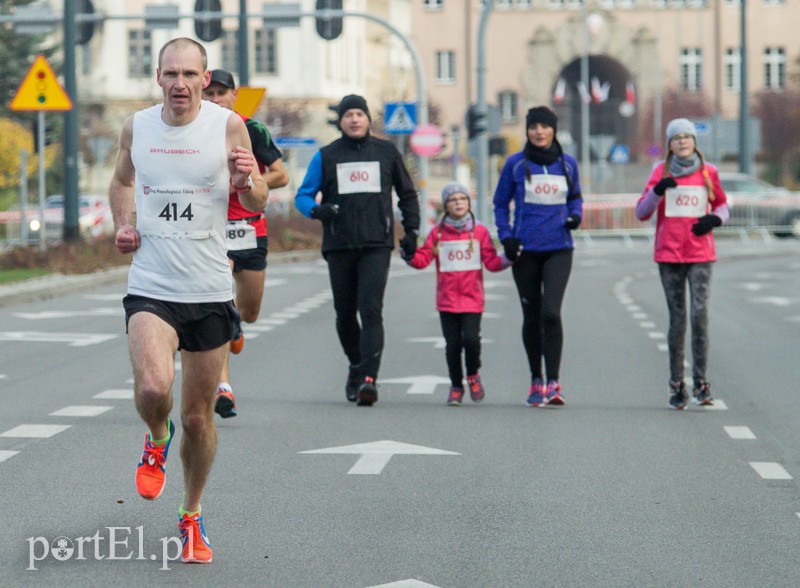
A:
[225,78]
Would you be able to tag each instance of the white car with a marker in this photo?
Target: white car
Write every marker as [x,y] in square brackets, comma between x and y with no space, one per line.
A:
[94,217]
[756,204]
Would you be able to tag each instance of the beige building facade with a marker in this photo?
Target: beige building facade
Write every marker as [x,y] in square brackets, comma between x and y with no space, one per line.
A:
[638,51]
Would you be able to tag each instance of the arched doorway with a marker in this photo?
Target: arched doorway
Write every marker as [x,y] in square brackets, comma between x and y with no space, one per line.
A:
[612,105]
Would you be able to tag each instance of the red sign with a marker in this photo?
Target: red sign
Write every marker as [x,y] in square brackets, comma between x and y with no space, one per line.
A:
[426,140]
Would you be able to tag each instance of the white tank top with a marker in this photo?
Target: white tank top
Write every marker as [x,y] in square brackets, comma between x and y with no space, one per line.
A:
[181,207]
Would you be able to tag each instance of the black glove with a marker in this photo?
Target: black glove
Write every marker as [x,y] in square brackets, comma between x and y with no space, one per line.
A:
[573,222]
[325,212]
[663,184]
[705,223]
[408,245]
[513,247]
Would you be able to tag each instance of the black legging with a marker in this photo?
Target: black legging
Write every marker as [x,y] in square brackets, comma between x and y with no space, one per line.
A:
[541,278]
[461,330]
[358,281]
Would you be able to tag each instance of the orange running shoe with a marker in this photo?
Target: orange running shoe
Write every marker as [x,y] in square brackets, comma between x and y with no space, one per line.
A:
[150,473]
[196,548]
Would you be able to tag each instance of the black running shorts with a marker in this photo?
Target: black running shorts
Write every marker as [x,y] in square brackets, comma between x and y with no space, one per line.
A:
[250,259]
[200,326]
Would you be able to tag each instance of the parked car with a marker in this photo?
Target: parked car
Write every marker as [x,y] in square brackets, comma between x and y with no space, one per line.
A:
[756,204]
[94,218]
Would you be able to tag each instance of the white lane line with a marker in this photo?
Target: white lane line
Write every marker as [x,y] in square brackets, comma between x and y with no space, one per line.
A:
[115,394]
[656,335]
[3,376]
[770,470]
[35,431]
[776,300]
[647,324]
[663,347]
[285,315]
[739,432]
[258,329]
[640,316]
[634,308]
[718,405]
[56,314]
[5,454]
[81,411]
[73,339]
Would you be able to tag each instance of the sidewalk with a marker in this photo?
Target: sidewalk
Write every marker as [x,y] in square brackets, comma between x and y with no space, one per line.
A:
[55,285]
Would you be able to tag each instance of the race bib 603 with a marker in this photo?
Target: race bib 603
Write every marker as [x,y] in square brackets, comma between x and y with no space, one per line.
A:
[455,256]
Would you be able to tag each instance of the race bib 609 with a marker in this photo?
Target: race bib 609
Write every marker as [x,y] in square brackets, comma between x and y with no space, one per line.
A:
[546,189]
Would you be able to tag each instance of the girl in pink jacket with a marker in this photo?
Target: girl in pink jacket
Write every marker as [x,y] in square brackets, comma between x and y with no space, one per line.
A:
[686,195]
[461,246]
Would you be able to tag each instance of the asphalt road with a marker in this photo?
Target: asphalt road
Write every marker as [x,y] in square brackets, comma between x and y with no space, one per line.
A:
[613,489]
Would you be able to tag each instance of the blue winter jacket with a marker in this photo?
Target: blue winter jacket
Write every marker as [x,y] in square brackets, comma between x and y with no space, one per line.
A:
[539,226]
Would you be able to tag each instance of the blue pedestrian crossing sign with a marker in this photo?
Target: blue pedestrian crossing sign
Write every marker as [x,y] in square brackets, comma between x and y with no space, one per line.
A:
[400,118]
[620,154]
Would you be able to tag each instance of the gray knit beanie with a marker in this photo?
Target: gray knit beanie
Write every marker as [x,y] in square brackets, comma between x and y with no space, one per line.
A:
[678,126]
[453,188]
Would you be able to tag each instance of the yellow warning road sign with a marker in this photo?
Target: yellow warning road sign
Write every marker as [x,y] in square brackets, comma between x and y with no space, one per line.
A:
[247,100]
[41,90]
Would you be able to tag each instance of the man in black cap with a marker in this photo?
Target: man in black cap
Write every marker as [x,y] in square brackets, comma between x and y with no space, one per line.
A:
[247,233]
[356,174]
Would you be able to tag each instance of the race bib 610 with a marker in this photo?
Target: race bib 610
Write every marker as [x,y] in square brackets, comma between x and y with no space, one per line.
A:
[358,177]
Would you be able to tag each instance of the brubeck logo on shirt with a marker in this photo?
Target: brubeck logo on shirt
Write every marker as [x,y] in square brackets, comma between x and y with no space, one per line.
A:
[164,151]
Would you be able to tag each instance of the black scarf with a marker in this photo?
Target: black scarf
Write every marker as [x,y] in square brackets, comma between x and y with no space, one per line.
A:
[542,156]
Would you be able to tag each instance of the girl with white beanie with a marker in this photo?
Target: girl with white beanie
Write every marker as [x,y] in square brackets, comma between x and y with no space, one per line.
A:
[685,194]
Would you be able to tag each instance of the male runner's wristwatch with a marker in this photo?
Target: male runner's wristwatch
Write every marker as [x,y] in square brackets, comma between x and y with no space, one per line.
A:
[246,188]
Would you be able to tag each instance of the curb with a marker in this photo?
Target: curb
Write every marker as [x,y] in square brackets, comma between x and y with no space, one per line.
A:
[55,285]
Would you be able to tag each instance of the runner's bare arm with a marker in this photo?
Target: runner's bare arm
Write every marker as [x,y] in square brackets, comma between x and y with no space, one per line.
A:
[242,165]
[121,194]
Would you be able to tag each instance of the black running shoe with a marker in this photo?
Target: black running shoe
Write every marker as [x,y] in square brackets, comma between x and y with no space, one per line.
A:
[367,392]
[352,385]
[678,397]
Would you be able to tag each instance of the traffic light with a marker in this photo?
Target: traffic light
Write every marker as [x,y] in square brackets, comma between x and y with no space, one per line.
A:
[329,28]
[207,30]
[476,122]
[85,29]
[49,131]
[335,120]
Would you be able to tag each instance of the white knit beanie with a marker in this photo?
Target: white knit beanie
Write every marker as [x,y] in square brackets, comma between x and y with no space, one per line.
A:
[678,126]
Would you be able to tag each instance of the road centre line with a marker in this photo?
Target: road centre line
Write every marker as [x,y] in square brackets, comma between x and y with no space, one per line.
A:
[735,432]
[81,411]
[34,431]
[115,394]
[770,470]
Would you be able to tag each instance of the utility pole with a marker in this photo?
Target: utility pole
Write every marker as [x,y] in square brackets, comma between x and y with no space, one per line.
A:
[482,140]
[71,122]
[744,136]
[242,46]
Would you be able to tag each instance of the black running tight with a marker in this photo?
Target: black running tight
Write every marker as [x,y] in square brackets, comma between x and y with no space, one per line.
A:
[541,278]
[358,281]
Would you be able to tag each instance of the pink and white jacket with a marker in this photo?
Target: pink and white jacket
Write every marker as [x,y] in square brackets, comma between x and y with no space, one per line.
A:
[675,242]
[459,270]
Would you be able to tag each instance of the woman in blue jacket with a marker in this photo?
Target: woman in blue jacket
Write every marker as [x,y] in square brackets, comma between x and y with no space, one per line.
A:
[543,184]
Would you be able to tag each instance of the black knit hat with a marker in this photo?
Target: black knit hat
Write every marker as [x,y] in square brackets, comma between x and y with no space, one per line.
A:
[353,101]
[541,114]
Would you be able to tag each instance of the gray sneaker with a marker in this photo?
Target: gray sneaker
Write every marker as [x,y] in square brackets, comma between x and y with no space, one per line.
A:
[702,395]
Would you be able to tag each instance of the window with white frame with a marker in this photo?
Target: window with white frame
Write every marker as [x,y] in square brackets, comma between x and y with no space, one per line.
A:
[507,99]
[774,68]
[266,51]
[433,4]
[140,53]
[502,3]
[522,4]
[445,66]
[732,64]
[690,64]
[230,49]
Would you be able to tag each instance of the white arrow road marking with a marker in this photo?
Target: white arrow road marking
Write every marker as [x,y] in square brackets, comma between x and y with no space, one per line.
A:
[408,584]
[5,454]
[74,339]
[776,300]
[419,384]
[769,470]
[35,431]
[81,411]
[56,314]
[375,455]
[115,394]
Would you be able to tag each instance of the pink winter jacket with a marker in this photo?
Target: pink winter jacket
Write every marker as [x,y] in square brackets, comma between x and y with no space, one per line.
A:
[675,242]
[459,291]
